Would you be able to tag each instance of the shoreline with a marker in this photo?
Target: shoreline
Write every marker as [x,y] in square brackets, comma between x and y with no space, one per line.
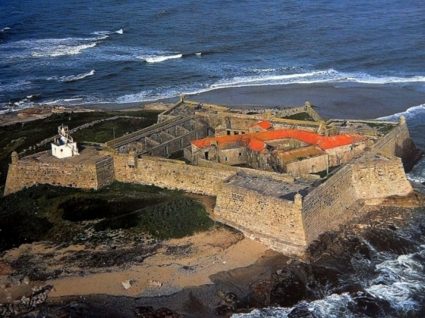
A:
[333,100]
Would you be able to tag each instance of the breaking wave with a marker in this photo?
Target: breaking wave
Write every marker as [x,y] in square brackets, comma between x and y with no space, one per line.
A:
[395,285]
[39,48]
[409,113]
[321,76]
[159,58]
[4,29]
[72,78]
[106,34]
[263,78]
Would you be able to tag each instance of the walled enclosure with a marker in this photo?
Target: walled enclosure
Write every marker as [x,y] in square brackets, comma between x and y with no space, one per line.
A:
[286,221]
[87,171]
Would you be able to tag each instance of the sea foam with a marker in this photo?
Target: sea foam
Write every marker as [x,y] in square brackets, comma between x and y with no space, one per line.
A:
[72,78]
[160,58]
[39,48]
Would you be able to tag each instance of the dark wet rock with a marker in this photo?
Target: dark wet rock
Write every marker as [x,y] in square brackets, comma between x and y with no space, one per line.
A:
[364,303]
[26,305]
[288,289]
[260,293]
[301,311]
[388,240]
[150,312]
[224,310]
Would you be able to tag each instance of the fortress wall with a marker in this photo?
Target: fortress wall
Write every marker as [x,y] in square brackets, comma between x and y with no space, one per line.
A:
[170,174]
[327,206]
[394,142]
[105,172]
[375,179]
[248,171]
[273,221]
[24,174]
[343,154]
[308,165]
[233,156]
[331,203]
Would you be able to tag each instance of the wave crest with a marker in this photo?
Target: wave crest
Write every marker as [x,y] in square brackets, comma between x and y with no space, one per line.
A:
[159,58]
[38,48]
[72,78]
[319,76]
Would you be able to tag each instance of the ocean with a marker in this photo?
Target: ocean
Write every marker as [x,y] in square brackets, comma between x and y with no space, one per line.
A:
[131,51]
[112,51]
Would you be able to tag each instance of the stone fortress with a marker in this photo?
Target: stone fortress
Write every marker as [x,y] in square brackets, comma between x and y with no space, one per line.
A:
[281,176]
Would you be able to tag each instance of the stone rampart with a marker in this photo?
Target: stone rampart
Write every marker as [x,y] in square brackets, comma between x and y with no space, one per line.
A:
[394,142]
[170,174]
[326,207]
[377,179]
[30,171]
[274,221]
[334,202]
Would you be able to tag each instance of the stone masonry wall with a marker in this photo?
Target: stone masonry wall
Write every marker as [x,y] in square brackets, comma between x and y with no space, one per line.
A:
[392,142]
[23,173]
[273,221]
[327,206]
[377,179]
[170,174]
[331,204]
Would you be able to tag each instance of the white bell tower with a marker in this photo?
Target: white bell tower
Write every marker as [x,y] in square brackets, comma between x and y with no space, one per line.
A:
[64,146]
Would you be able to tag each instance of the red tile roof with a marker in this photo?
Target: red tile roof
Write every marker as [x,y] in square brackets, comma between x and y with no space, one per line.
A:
[255,141]
[264,124]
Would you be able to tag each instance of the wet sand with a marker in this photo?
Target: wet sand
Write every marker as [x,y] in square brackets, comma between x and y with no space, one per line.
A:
[333,101]
[341,100]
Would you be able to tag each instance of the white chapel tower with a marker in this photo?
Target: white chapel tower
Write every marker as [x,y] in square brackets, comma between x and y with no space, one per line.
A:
[64,146]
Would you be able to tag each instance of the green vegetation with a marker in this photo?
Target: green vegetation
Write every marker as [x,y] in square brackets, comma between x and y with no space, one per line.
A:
[61,215]
[173,218]
[108,130]
[21,136]
[382,129]
[300,116]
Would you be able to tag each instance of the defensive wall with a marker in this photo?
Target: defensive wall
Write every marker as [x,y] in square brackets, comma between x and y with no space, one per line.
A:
[206,178]
[270,207]
[88,172]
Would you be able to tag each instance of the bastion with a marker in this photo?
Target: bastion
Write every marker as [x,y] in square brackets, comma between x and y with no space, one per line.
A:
[282,176]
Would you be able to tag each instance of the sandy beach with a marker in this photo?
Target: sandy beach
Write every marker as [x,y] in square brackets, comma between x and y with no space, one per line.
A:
[332,100]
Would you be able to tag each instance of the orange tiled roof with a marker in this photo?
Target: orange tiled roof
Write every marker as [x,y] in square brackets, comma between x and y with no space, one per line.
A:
[255,141]
[264,124]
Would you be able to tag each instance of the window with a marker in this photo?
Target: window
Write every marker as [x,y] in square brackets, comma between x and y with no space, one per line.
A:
[206,155]
[228,133]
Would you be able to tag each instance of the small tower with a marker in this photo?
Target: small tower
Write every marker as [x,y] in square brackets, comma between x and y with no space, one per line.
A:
[15,157]
[64,146]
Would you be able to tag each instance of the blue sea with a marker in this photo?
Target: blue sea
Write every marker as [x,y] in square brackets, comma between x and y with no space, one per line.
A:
[132,51]
[115,51]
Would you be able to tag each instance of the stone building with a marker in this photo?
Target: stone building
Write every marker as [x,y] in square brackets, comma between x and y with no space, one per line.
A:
[282,176]
[294,151]
[64,146]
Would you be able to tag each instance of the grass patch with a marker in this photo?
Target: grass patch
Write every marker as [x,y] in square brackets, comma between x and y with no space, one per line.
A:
[382,129]
[20,136]
[300,116]
[175,218]
[60,215]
